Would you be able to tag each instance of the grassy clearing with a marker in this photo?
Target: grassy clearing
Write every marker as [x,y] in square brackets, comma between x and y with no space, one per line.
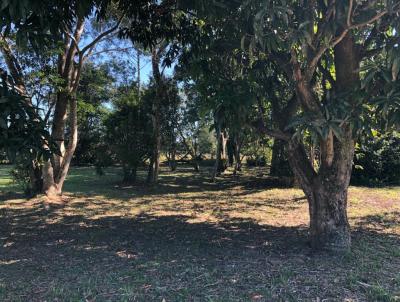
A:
[191,240]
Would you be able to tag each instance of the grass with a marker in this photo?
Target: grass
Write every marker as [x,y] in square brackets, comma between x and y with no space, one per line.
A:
[191,240]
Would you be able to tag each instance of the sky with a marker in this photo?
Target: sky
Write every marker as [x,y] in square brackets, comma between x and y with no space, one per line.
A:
[123,51]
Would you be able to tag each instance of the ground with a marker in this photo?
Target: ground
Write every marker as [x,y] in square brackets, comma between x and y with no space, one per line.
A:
[191,240]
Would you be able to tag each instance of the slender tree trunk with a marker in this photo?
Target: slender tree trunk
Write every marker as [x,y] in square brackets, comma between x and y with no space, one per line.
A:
[172,159]
[150,171]
[155,60]
[192,151]
[238,159]
[155,162]
[55,171]
[218,153]
[220,159]
[138,54]
[130,175]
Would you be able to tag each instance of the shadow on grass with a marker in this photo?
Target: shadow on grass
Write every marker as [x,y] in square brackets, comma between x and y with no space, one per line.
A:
[48,256]
[82,183]
[385,220]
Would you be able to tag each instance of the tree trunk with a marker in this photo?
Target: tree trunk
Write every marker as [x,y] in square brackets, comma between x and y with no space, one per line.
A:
[238,159]
[278,159]
[150,171]
[58,129]
[55,171]
[14,67]
[172,160]
[129,175]
[326,190]
[329,227]
[326,193]
[155,162]
[221,152]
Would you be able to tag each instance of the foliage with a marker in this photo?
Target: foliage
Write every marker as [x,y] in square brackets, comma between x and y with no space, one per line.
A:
[23,134]
[377,160]
[94,92]
[169,110]
[128,133]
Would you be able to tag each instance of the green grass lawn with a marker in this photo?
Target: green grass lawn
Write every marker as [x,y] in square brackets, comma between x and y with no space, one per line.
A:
[190,240]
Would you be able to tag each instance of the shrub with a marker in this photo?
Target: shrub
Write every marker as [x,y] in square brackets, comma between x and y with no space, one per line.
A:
[377,160]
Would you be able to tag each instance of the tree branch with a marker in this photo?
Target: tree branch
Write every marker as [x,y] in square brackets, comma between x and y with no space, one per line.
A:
[313,64]
[101,36]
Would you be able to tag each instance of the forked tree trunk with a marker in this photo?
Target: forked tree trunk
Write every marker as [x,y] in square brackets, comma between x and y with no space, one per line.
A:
[56,170]
[326,190]
[326,193]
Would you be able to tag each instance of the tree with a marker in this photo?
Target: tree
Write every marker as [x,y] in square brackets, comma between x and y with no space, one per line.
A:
[129,133]
[70,64]
[23,135]
[325,51]
[41,22]
[95,90]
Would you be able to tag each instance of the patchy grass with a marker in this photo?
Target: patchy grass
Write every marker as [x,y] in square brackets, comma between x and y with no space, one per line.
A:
[191,240]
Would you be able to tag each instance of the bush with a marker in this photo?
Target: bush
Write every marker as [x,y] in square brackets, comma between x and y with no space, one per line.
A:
[256,161]
[377,161]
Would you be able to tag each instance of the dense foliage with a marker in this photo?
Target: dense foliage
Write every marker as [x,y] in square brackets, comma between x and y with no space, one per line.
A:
[377,160]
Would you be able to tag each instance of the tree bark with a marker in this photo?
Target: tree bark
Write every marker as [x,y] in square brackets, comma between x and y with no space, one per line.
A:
[220,159]
[279,162]
[237,149]
[326,190]
[55,171]
[130,175]
[155,162]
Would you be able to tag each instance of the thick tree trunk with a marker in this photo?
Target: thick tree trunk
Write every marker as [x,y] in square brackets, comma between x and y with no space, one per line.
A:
[58,130]
[326,193]
[326,190]
[329,227]
[279,162]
